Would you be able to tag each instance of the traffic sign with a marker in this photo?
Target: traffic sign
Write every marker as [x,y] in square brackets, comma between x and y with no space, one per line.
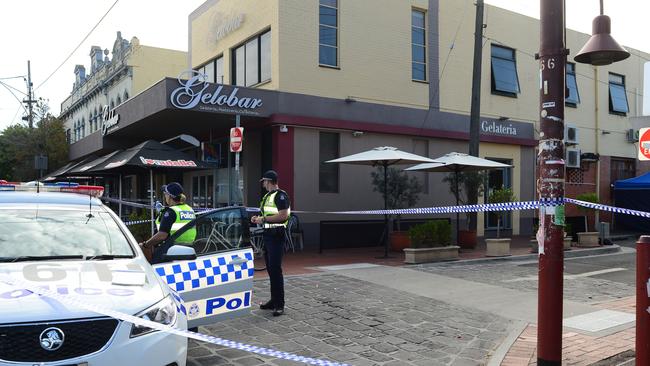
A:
[236,139]
[644,144]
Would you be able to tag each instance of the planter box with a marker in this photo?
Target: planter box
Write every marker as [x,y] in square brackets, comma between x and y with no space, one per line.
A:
[467,239]
[426,255]
[567,243]
[588,239]
[497,247]
[399,240]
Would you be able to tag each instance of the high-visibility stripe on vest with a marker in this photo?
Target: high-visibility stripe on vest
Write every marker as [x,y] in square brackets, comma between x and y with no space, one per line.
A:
[268,208]
[184,214]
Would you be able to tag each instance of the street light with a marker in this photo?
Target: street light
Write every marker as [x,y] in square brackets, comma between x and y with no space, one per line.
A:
[601,49]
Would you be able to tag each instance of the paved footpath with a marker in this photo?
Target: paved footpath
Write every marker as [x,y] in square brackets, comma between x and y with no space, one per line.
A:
[440,314]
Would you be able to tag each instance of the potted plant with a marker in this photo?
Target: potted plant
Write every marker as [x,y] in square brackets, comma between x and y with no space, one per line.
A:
[462,185]
[500,246]
[430,242]
[587,239]
[403,192]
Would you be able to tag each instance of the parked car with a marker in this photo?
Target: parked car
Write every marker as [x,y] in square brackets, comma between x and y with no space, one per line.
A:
[73,244]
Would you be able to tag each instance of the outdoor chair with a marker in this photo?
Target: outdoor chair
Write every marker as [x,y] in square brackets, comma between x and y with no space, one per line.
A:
[295,232]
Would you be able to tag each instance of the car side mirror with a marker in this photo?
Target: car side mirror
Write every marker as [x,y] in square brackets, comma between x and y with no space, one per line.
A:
[180,253]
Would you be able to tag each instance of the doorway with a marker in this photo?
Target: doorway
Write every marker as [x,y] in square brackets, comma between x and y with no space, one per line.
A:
[498,179]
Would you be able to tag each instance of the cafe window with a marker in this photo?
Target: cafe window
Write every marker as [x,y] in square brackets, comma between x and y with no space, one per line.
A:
[418,46]
[328,33]
[328,174]
[617,97]
[252,61]
[504,71]
[573,97]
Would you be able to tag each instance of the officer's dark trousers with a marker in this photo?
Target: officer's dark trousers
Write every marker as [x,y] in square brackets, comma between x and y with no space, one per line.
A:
[274,245]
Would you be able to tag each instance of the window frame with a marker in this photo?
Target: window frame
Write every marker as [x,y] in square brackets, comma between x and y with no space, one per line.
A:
[496,91]
[618,85]
[334,167]
[568,75]
[336,29]
[423,45]
[242,46]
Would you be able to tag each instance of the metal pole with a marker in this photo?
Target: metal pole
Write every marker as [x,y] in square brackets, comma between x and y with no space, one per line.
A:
[552,57]
[151,198]
[386,208]
[475,109]
[119,209]
[29,94]
[457,214]
[643,301]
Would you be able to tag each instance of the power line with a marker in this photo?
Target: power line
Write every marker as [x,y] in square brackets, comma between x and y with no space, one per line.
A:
[14,95]
[16,89]
[79,45]
[13,77]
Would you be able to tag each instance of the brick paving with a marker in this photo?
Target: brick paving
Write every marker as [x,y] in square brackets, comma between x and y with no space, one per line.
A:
[577,349]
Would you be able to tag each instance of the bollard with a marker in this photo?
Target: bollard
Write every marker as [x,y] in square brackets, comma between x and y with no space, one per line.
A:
[643,301]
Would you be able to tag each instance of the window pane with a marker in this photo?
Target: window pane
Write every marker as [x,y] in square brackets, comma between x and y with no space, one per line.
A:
[504,74]
[209,71]
[616,78]
[617,98]
[327,55]
[417,18]
[418,53]
[265,57]
[419,71]
[331,3]
[240,66]
[570,68]
[328,174]
[327,16]
[417,35]
[252,70]
[504,53]
[573,96]
[327,36]
[219,75]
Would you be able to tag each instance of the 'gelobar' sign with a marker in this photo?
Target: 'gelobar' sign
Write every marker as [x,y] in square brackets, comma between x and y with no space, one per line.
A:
[644,144]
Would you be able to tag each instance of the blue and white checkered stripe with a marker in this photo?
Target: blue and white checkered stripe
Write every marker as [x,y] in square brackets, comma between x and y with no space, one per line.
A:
[178,300]
[205,272]
[129,223]
[601,207]
[76,301]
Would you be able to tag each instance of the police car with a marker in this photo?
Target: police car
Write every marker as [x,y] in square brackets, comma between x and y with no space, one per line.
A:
[72,244]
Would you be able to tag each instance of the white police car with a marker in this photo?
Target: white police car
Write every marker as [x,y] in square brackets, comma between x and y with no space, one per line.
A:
[73,245]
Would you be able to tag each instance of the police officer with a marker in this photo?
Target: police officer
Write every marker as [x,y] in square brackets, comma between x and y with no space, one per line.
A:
[171,219]
[276,208]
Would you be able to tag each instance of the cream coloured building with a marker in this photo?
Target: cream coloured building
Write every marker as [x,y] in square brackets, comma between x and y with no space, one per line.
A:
[336,77]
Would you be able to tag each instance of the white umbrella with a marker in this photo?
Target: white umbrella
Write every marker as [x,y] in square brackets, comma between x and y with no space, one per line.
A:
[455,162]
[383,156]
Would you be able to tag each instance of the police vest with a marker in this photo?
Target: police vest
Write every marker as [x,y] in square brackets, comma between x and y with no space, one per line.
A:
[269,208]
[184,214]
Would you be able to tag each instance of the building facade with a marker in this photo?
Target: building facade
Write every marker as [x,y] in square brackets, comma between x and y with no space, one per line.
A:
[314,80]
[112,80]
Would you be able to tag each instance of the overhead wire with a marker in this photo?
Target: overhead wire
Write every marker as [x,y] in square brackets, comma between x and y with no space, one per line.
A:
[78,45]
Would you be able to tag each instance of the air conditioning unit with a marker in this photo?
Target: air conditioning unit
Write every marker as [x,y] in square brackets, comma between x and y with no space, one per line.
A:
[572,158]
[570,135]
[631,135]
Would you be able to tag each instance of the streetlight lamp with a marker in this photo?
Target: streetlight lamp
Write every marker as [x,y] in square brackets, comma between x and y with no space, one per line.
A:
[601,49]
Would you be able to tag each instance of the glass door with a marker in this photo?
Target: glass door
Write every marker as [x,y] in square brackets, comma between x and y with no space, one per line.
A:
[498,179]
[202,188]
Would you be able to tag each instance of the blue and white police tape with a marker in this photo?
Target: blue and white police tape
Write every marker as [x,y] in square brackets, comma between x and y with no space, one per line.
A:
[75,301]
[126,203]
[601,207]
[136,222]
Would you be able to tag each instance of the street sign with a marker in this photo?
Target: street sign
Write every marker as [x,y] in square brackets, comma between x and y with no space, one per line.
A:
[236,139]
[644,144]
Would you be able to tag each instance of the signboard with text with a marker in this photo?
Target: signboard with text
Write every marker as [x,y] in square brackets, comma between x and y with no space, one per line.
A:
[644,144]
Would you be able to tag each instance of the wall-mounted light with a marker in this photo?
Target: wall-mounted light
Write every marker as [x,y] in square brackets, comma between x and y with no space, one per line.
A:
[350,100]
[283,128]
[605,132]
[357,133]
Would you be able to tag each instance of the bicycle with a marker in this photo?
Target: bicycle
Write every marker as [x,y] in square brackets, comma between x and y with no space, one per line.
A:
[257,243]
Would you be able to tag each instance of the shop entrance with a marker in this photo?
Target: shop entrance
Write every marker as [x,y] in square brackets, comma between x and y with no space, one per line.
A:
[498,179]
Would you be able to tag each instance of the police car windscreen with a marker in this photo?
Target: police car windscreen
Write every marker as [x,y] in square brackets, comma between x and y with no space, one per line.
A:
[60,233]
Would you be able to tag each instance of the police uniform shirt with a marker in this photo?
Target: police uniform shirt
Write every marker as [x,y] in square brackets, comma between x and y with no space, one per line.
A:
[168,218]
[281,200]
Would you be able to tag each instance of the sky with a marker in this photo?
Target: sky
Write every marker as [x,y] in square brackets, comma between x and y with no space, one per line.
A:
[46,32]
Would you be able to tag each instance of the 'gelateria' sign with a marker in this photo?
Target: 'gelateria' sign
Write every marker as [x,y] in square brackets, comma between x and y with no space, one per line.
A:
[498,128]
[197,93]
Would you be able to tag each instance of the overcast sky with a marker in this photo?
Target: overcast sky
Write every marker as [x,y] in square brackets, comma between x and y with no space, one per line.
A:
[46,32]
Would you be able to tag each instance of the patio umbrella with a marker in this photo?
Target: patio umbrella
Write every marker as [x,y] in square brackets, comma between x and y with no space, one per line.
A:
[383,156]
[455,162]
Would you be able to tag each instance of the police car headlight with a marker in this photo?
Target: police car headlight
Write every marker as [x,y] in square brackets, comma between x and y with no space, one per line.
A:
[163,312]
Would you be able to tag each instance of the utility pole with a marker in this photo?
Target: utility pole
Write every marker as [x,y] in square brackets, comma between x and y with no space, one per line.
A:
[475,112]
[30,100]
[552,58]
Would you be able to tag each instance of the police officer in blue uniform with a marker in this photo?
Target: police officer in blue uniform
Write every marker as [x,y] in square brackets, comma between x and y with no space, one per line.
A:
[276,208]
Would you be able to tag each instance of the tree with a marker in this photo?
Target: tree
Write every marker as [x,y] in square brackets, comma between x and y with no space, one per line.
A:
[19,144]
[465,186]
[403,192]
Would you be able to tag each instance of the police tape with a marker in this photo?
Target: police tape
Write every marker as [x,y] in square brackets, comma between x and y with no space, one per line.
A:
[72,300]
[126,203]
[601,207]
[136,222]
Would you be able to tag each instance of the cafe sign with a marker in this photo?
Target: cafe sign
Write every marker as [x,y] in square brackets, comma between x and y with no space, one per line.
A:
[197,93]
[498,128]
[109,119]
